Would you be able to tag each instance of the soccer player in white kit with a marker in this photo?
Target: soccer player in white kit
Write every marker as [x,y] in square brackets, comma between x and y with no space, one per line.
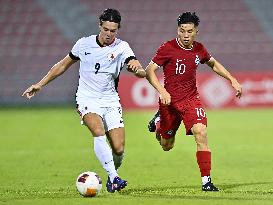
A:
[101,59]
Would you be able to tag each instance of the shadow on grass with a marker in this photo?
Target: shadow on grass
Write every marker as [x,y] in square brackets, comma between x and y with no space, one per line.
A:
[234,191]
[227,187]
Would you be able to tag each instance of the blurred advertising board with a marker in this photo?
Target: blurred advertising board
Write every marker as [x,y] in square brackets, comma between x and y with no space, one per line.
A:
[215,92]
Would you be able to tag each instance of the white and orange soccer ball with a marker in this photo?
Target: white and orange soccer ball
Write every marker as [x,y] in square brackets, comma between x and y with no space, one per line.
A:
[89,184]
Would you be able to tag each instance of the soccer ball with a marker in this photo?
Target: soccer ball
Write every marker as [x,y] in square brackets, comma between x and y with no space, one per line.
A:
[89,184]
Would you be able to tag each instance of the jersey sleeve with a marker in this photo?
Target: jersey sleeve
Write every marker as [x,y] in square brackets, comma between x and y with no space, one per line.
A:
[161,56]
[75,52]
[127,53]
[205,55]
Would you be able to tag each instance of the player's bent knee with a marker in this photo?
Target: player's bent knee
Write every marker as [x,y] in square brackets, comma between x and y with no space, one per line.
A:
[118,153]
[98,131]
[118,147]
[199,130]
[167,146]
[118,150]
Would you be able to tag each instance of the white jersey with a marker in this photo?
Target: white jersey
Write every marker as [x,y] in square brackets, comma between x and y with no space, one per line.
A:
[99,69]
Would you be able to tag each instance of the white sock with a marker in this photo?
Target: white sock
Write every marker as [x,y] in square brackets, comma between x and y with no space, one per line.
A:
[118,160]
[157,119]
[205,179]
[104,155]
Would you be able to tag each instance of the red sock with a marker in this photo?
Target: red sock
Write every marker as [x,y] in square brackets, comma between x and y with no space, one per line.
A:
[204,162]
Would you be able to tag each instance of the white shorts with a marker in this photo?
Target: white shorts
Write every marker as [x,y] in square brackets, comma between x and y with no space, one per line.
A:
[111,116]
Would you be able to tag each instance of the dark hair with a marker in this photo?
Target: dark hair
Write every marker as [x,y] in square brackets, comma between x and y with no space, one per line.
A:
[188,17]
[111,15]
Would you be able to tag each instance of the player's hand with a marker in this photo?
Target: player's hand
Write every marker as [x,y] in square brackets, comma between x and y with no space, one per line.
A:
[165,98]
[133,65]
[238,88]
[31,91]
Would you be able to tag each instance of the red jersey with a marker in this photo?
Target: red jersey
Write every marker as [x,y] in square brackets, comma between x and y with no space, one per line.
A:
[179,67]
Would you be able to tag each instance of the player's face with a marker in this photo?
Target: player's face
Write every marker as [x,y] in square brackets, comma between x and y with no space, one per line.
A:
[108,32]
[186,34]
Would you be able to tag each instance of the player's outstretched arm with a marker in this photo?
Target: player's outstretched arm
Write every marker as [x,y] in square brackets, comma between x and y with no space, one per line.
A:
[58,69]
[220,70]
[164,96]
[135,67]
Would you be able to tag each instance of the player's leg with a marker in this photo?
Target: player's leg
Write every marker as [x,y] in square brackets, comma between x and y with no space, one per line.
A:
[101,148]
[195,122]
[114,126]
[113,123]
[116,139]
[166,126]
[203,156]
[167,144]
[93,117]
[199,131]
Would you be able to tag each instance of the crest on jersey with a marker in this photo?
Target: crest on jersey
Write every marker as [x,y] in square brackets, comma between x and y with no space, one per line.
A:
[111,56]
[170,132]
[197,60]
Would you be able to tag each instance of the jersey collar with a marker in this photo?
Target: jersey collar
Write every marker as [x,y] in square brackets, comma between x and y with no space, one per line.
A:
[98,42]
[187,49]
[100,45]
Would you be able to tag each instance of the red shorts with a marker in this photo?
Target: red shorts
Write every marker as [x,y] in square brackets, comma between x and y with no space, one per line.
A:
[190,112]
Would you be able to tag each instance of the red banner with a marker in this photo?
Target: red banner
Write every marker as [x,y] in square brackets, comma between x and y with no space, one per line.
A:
[215,91]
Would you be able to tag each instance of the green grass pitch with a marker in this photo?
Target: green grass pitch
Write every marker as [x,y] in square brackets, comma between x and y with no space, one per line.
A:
[42,151]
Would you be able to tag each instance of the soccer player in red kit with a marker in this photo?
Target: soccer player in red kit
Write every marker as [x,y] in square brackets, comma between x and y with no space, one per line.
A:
[179,99]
